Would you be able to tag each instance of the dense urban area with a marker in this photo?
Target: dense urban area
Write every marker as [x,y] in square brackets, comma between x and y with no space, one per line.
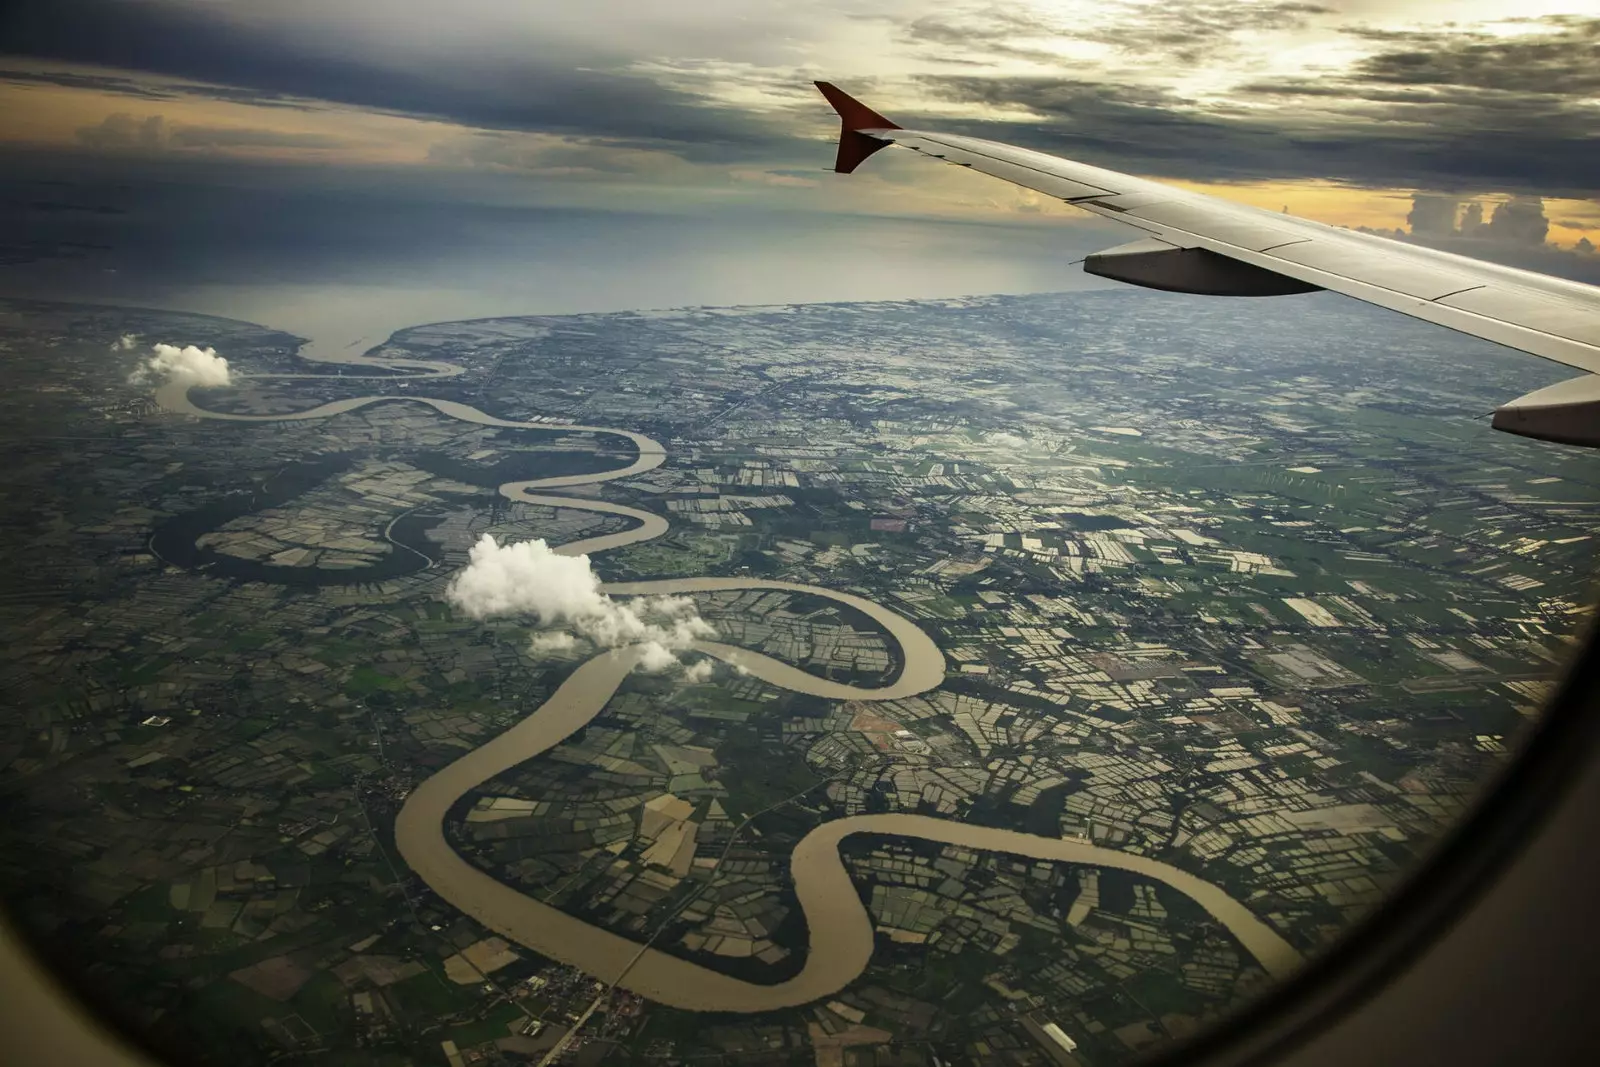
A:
[1247,591]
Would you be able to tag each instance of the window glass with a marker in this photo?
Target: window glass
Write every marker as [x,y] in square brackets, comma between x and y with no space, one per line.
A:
[453,616]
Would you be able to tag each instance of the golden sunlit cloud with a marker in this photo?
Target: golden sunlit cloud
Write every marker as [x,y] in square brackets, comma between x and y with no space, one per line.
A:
[69,117]
[1092,42]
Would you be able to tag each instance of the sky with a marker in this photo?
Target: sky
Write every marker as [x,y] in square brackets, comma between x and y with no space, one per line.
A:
[1394,115]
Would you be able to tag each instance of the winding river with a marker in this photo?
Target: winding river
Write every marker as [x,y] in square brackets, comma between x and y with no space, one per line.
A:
[840,929]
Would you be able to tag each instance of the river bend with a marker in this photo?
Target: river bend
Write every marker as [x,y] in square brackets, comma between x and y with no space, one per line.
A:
[840,929]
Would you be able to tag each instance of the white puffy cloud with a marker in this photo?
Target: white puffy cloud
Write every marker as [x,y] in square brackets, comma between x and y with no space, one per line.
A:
[551,643]
[656,658]
[699,671]
[190,364]
[563,593]
[126,343]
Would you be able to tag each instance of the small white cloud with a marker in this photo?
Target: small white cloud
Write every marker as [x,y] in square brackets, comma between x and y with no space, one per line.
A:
[191,365]
[656,658]
[122,131]
[563,593]
[551,643]
[698,671]
[125,343]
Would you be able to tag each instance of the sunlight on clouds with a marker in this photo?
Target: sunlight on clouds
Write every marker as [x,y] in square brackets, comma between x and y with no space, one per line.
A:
[755,61]
[1574,221]
[59,117]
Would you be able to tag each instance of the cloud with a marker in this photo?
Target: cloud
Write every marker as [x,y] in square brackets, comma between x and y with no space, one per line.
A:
[1554,56]
[1513,231]
[190,364]
[479,64]
[1520,221]
[992,31]
[1350,131]
[699,671]
[551,643]
[102,83]
[1517,221]
[1454,109]
[121,131]
[562,593]
[1433,214]
[555,157]
[656,658]
[126,343]
[1206,90]
[773,177]
[1192,33]
[148,88]
[222,137]
[1169,33]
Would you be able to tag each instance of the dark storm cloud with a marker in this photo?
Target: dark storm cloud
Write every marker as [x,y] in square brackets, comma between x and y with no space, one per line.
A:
[1550,71]
[1485,109]
[525,92]
[1560,58]
[1432,214]
[989,32]
[104,83]
[1192,33]
[1512,232]
[1432,112]
[1520,221]
[1168,33]
[151,89]
[1144,129]
[1452,111]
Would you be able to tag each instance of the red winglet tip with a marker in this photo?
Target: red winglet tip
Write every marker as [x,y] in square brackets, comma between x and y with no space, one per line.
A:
[853,117]
[853,113]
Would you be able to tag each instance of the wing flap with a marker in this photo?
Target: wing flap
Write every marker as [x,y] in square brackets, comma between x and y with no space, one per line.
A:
[1527,335]
[1378,267]
[1244,231]
[1553,314]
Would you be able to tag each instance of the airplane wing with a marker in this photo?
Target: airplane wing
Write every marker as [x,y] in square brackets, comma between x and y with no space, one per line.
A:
[1193,243]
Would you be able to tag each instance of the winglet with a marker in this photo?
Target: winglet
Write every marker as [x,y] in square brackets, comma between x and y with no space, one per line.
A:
[854,116]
